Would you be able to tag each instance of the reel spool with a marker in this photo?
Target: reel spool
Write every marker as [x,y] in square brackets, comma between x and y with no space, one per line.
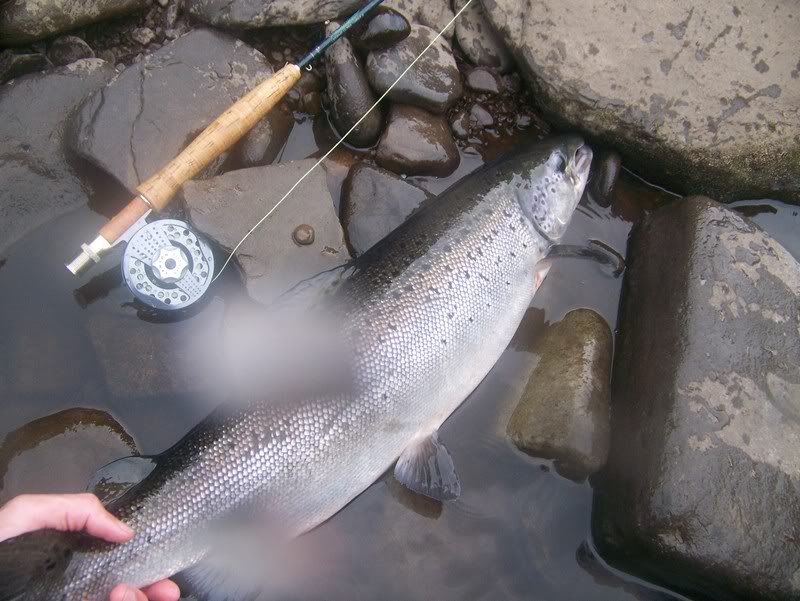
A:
[167,266]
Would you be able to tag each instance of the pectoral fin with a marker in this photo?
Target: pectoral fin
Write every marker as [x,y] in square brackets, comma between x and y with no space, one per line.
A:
[113,480]
[596,251]
[426,467]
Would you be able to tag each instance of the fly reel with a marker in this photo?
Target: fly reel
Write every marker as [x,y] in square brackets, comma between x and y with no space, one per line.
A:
[167,266]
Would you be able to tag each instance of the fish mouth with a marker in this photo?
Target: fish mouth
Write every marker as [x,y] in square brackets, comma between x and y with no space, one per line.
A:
[580,165]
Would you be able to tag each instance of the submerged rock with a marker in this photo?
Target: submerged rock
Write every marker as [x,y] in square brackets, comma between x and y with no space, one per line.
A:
[702,487]
[375,202]
[60,453]
[22,21]
[68,49]
[708,102]
[478,40]
[385,29]
[350,94]
[434,83]
[417,142]
[40,182]
[14,65]
[148,114]
[564,412]
[271,260]
[246,14]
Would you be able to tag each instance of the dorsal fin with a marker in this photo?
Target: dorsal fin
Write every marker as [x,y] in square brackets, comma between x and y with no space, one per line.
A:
[113,480]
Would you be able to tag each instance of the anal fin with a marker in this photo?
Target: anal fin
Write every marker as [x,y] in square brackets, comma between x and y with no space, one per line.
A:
[427,468]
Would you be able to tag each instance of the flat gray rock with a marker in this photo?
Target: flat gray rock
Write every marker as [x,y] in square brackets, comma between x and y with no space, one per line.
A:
[417,142]
[151,112]
[375,202]
[702,487]
[434,83]
[350,94]
[250,14]
[227,206]
[40,183]
[697,96]
[479,41]
[25,21]
[564,412]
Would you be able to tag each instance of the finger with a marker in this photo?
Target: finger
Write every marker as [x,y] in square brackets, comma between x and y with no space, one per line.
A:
[123,592]
[27,513]
[166,590]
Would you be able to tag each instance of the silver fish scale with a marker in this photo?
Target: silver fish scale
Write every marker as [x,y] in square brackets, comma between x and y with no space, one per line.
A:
[429,311]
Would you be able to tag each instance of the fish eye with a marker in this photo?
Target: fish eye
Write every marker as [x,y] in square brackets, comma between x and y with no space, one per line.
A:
[559,161]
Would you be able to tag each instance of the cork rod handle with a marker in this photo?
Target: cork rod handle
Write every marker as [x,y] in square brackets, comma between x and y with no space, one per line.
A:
[223,133]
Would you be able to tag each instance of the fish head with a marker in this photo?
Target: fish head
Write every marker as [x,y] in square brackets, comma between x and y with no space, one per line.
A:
[554,175]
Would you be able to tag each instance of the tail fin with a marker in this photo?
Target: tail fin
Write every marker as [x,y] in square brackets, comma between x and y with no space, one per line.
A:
[29,558]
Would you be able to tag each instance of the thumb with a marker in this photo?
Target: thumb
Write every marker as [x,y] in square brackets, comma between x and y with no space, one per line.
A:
[69,513]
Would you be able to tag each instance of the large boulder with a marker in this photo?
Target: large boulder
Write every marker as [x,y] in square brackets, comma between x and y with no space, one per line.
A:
[300,239]
[39,181]
[148,114]
[702,487]
[23,21]
[249,14]
[699,97]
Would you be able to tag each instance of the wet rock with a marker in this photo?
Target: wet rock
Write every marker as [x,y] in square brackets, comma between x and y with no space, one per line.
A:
[483,80]
[261,145]
[697,108]
[564,412]
[143,35]
[701,491]
[385,29]
[349,93]
[435,14]
[16,65]
[246,14]
[478,39]
[270,259]
[417,142]
[434,83]
[606,167]
[22,22]
[157,106]
[68,49]
[460,125]
[375,202]
[480,116]
[34,158]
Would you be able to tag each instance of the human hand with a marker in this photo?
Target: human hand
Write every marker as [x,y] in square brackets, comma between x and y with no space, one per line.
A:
[72,513]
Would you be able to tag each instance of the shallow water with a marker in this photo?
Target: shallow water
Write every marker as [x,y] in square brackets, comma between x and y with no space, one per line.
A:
[519,531]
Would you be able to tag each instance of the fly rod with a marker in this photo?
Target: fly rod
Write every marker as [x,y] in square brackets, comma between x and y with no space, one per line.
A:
[156,192]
